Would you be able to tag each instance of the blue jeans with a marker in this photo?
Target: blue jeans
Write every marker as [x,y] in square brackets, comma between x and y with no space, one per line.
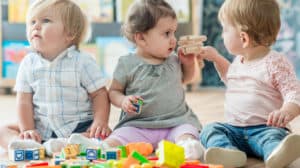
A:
[258,141]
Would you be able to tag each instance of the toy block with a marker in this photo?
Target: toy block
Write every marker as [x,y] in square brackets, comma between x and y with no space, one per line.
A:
[129,161]
[169,154]
[142,147]
[192,38]
[29,154]
[138,105]
[93,154]
[123,151]
[114,154]
[139,157]
[191,44]
[16,155]
[42,153]
[36,164]
[68,152]
[32,154]
[101,165]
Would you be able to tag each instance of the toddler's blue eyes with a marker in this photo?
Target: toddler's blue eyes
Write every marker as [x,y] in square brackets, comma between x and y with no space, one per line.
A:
[43,21]
[46,20]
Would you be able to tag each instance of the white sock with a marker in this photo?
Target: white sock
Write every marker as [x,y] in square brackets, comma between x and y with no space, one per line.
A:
[24,144]
[55,145]
[193,149]
[84,142]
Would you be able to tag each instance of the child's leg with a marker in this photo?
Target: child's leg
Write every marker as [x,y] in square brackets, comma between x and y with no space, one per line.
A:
[120,136]
[56,144]
[11,140]
[221,141]
[186,136]
[9,133]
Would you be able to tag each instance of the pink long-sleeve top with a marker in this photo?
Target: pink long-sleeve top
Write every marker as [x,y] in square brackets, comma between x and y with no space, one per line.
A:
[256,89]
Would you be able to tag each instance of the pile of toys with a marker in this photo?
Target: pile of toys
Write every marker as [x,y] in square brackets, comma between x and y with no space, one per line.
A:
[133,155]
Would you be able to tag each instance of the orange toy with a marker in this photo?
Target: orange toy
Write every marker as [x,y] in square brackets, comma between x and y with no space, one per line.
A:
[142,147]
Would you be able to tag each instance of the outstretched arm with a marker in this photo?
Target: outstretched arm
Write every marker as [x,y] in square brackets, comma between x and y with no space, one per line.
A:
[211,54]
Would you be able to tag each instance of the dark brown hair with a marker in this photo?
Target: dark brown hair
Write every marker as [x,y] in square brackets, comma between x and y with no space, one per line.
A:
[144,15]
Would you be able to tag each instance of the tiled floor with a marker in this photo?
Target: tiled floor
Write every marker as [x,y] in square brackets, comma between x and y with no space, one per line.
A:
[206,103]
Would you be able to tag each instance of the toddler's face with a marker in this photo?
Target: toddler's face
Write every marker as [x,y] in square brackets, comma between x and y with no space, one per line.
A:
[46,34]
[232,38]
[160,40]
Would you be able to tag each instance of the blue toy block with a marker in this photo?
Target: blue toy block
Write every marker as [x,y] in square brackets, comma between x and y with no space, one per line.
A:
[111,155]
[138,105]
[19,155]
[91,154]
[29,154]
[36,154]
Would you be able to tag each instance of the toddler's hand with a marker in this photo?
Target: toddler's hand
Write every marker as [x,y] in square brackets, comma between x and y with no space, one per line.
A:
[208,53]
[280,118]
[31,134]
[99,130]
[127,105]
[186,59]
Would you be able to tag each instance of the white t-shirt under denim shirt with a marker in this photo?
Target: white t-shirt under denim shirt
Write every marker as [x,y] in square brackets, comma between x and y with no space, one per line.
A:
[161,88]
[256,89]
[60,90]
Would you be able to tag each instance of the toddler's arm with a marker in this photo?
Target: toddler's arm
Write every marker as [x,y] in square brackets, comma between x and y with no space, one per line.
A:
[284,79]
[117,97]
[25,114]
[211,54]
[101,108]
[190,67]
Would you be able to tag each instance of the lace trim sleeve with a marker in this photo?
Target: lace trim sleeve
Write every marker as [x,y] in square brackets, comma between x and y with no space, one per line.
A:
[284,79]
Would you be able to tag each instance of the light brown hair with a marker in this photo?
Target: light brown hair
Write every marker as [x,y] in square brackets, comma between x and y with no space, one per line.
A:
[260,19]
[144,15]
[75,22]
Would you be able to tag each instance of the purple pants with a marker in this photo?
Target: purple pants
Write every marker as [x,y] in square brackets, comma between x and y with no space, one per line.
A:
[154,136]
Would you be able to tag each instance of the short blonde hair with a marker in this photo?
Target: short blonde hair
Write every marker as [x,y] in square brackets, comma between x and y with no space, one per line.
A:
[260,19]
[74,20]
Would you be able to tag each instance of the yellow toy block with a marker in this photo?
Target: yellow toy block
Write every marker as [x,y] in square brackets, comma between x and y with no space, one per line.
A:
[169,154]
[42,153]
[69,152]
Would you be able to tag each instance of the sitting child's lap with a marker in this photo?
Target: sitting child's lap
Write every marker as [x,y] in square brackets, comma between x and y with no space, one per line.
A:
[133,134]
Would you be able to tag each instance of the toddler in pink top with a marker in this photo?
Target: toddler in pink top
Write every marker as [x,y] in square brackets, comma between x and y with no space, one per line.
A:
[263,93]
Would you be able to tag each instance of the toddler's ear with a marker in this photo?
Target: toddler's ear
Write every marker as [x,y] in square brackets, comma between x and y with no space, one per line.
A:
[139,39]
[70,37]
[245,39]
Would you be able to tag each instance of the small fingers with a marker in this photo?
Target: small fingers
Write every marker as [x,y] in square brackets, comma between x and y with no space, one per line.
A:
[105,133]
[92,131]
[270,119]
